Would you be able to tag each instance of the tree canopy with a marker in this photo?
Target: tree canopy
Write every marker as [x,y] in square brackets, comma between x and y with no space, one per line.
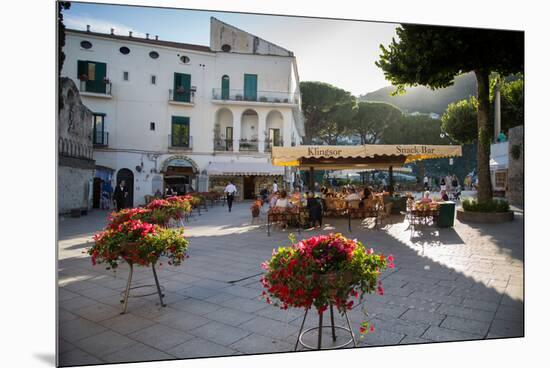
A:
[371,119]
[327,111]
[414,129]
[460,120]
[432,56]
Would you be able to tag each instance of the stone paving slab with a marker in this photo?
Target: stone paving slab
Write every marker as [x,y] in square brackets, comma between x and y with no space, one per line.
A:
[136,353]
[449,284]
[220,333]
[160,337]
[104,343]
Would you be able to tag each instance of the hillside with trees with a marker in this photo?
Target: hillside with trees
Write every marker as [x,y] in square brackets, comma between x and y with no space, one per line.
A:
[424,99]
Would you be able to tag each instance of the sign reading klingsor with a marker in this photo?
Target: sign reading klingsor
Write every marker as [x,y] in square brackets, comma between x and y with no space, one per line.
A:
[318,151]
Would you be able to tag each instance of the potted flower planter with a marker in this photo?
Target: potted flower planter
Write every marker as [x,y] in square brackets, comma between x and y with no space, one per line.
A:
[323,272]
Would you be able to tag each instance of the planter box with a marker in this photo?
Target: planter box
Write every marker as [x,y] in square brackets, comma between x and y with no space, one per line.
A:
[484,217]
[76,212]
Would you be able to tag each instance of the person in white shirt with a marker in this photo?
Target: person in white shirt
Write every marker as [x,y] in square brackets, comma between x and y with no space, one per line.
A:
[426,181]
[283,200]
[353,195]
[275,187]
[230,191]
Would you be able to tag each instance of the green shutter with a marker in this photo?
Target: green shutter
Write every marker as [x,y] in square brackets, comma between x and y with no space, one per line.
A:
[184,81]
[180,131]
[250,87]
[225,87]
[96,85]
[82,70]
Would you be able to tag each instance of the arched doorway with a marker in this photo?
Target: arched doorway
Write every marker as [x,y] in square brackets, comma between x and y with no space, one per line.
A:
[128,176]
[249,131]
[223,130]
[274,130]
[180,174]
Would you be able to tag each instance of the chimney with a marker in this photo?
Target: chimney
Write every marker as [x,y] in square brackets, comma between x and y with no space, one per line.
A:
[156,37]
[147,35]
[87,28]
[112,31]
[130,33]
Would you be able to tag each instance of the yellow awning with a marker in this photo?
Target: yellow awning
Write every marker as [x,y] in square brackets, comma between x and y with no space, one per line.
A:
[364,156]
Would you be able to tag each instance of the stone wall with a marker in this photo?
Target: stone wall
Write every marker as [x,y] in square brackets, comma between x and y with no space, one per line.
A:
[514,193]
[73,187]
[75,150]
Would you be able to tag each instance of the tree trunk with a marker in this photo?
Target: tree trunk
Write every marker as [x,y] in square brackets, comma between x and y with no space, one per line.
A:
[484,190]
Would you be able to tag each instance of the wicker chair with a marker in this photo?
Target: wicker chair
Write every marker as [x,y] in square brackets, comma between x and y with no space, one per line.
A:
[368,208]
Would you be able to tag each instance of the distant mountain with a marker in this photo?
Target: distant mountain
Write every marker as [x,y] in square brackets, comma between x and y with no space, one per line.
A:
[424,100]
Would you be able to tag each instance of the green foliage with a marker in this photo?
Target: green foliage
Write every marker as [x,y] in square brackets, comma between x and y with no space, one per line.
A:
[372,118]
[62,5]
[460,120]
[414,129]
[511,104]
[494,205]
[433,56]
[327,110]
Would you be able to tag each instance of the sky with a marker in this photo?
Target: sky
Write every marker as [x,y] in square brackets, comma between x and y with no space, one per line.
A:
[341,53]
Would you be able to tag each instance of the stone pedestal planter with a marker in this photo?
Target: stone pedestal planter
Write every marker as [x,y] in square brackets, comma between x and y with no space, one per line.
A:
[484,217]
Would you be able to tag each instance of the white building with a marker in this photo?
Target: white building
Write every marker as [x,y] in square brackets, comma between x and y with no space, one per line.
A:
[168,113]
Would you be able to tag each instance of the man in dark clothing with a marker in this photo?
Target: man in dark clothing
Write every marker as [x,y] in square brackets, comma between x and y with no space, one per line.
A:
[315,210]
[120,195]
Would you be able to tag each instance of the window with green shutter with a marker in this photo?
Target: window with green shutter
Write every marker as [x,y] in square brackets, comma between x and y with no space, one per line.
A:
[225,87]
[180,131]
[93,74]
[250,87]
[182,87]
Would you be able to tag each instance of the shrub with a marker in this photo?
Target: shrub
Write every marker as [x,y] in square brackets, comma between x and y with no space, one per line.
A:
[494,205]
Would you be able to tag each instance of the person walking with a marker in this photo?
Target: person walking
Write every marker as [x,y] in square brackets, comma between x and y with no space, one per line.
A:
[230,191]
[454,183]
[275,187]
[426,182]
[120,195]
[442,185]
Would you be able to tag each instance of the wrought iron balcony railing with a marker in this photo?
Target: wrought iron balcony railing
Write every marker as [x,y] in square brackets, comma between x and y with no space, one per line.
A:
[221,144]
[220,94]
[180,142]
[101,139]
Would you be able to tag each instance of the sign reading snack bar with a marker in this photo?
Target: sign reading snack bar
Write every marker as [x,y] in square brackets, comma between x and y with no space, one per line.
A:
[291,156]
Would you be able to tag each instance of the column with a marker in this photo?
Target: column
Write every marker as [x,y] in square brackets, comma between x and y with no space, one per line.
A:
[287,127]
[262,117]
[237,116]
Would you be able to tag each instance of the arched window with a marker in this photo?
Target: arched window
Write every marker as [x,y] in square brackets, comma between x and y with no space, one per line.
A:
[225,87]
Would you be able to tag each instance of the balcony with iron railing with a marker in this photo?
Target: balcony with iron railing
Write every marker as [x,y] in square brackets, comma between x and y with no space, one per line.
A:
[183,143]
[101,139]
[224,145]
[101,89]
[269,144]
[248,145]
[182,96]
[241,96]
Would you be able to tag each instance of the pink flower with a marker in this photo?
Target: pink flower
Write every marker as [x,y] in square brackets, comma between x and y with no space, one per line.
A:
[371,328]
[380,290]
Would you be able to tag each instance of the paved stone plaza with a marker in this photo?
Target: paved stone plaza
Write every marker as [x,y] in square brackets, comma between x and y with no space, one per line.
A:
[449,284]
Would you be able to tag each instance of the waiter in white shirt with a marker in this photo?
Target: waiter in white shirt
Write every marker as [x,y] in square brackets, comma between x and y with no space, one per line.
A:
[275,187]
[230,191]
